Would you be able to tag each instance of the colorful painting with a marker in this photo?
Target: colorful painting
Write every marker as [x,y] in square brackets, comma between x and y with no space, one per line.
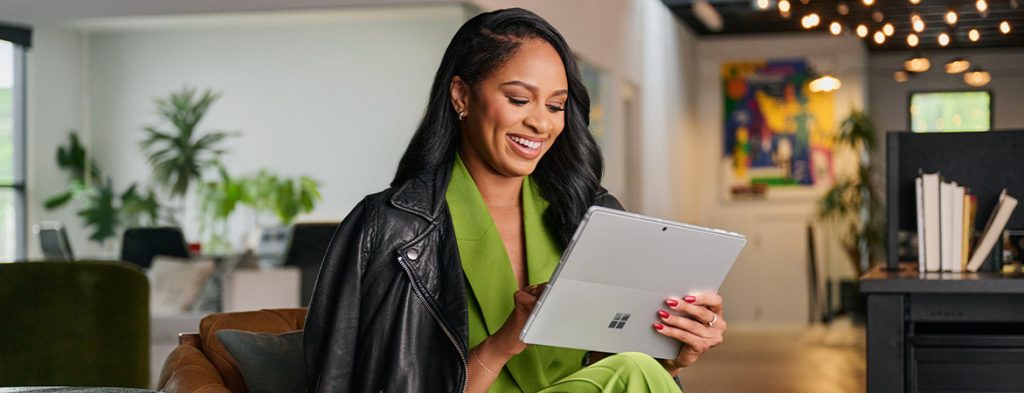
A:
[777,132]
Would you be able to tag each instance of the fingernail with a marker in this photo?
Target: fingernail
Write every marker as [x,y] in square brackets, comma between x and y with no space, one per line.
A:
[690,299]
[659,326]
[663,314]
[671,302]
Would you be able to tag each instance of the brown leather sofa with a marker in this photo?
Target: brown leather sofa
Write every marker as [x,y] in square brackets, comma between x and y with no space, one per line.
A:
[201,364]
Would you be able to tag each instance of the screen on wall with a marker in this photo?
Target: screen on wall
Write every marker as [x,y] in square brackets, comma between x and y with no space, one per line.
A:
[951,111]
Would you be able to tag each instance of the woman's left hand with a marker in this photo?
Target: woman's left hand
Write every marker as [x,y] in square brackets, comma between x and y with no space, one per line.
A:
[696,322]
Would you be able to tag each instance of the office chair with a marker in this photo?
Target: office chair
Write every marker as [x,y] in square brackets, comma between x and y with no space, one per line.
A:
[140,245]
[307,246]
[53,240]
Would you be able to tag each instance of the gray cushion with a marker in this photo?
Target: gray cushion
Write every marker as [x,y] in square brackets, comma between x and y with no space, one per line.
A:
[269,362]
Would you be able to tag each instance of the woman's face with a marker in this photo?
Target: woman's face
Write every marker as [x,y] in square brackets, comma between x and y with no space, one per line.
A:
[514,116]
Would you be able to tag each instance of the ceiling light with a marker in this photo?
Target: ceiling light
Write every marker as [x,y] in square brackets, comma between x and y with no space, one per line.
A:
[708,15]
[974,35]
[982,5]
[784,6]
[912,40]
[810,21]
[943,39]
[917,23]
[951,18]
[977,77]
[915,2]
[879,37]
[825,84]
[900,76]
[843,9]
[877,16]
[957,65]
[888,29]
[835,28]
[869,2]
[1004,27]
[762,4]
[862,31]
[917,63]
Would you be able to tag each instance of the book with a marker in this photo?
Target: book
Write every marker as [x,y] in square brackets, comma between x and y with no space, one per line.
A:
[956,237]
[970,210]
[946,225]
[993,230]
[930,207]
[920,224]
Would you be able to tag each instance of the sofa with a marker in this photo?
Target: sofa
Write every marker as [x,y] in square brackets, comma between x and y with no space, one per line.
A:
[201,363]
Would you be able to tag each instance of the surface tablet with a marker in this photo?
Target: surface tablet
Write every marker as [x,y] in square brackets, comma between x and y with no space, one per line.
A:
[616,274]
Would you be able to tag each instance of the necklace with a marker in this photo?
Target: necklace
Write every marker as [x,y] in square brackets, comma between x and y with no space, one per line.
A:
[503,207]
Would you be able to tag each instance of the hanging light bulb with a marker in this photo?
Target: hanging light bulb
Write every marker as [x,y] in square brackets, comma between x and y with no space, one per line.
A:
[842,8]
[957,65]
[915,2]
[977,77]
[981,5]
[877,16]
[869,2]
[862,31]
[917,23]
[879,37]
[900,76]
[951,18]
[835,28]
[917,63]
[763,4]
[784,6]
[888,29]
[1004,27]
[912,40]
[943,39]
[974,35]
[810,21]
[825,84]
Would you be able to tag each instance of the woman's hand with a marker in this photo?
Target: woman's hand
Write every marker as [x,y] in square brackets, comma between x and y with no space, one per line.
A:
[697,322]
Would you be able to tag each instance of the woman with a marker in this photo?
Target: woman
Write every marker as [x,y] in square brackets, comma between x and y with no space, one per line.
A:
[427,284]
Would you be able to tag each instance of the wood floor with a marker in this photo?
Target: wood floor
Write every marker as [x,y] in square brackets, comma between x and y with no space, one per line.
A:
[795,360]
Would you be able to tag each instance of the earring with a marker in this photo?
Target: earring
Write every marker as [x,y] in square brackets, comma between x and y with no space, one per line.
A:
[462,115]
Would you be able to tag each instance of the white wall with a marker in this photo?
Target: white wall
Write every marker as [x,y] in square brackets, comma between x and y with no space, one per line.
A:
[768,284]
[890,100]
[330,94]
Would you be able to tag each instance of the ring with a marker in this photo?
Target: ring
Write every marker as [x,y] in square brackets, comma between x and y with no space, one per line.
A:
[714,318]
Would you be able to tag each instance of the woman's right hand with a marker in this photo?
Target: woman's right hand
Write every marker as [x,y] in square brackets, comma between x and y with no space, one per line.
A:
[506,339]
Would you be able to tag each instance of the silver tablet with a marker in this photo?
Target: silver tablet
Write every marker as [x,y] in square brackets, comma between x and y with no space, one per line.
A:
[616,274]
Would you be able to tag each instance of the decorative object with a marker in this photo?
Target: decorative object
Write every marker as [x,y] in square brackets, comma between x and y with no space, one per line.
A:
[854,203]
[175,283]
[777,132]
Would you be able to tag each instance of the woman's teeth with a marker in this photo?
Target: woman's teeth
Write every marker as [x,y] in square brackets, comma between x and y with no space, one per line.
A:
[526,142]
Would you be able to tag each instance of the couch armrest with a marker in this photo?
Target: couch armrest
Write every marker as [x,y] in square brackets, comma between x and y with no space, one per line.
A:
[187,370]
[191,339]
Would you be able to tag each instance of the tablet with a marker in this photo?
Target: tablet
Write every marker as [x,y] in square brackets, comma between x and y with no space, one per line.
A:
[616,274]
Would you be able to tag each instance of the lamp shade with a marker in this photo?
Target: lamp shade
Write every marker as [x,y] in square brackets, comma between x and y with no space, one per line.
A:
[917,63]
[957,65]
[977,77]
[825,83]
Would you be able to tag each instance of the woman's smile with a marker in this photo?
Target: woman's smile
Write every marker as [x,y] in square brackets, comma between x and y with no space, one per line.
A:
[525,147]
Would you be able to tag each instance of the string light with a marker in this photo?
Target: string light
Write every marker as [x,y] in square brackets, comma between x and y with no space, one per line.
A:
[843,9]
[1004,27]
[810,21]
[888,29]
[784,6]
[951,18]
[879,37]
[982,5]
[836,28]
[974,35]
[912,40]
[917,23]
[943,39]
[763,4]
[869,2]
[877,16]
[915,2]
[862,31]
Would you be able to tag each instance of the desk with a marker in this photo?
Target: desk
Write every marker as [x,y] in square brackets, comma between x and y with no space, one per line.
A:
[950,332]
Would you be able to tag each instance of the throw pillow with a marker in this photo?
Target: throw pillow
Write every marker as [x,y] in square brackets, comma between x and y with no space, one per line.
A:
[269,363]
[174,283]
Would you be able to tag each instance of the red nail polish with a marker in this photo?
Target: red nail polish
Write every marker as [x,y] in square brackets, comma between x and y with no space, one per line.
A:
[671,302]
[690,299]
[659,326]
[662,313]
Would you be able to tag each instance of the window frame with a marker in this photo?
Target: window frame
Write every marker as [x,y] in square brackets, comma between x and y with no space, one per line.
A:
[991,105]
[19,139]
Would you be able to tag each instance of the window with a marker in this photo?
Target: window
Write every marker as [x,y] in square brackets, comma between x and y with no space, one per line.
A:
[13,41]
[951,111]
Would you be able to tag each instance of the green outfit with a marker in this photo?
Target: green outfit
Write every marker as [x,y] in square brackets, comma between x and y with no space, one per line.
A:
[490,289]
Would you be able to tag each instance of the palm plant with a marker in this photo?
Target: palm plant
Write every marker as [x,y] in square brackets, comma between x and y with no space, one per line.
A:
[855,203]
[180,157]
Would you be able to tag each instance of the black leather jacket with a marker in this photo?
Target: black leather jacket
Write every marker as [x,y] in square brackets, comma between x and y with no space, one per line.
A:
[389,309]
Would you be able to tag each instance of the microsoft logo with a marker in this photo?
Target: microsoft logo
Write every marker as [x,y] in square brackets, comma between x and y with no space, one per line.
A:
[619,321]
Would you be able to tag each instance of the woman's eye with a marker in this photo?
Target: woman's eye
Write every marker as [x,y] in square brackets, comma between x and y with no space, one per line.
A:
[555,108]
[517,101]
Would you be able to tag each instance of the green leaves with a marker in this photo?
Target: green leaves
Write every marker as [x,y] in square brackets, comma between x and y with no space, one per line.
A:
[179,157]
[264,192]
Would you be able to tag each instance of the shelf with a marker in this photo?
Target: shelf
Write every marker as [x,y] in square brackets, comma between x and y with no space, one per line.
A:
[908,280]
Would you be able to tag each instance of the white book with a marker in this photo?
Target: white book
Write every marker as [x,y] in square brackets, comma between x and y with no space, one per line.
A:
[920,224]
[946,225]
[993,231]
[957,219]
[932,237]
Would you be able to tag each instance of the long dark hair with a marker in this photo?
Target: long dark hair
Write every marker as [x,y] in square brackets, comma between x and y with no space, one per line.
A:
[569,174]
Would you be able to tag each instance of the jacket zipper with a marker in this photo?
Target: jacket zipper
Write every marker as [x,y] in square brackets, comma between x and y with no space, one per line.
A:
[437,318]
